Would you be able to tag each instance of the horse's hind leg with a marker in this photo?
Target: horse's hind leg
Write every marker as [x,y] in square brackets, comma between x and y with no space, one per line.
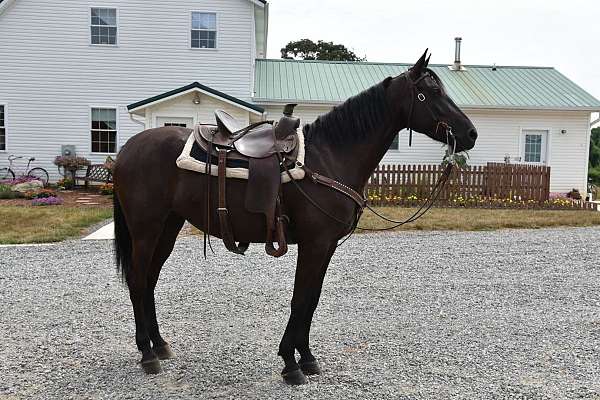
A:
[143,245]
[163,250]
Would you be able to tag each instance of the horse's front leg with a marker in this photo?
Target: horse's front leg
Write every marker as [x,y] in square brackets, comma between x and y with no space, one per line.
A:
[313,260]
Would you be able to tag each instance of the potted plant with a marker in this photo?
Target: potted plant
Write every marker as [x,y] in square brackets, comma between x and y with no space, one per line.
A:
[70,164]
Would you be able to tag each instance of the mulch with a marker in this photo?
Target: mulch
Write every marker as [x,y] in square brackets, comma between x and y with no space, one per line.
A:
[70,198]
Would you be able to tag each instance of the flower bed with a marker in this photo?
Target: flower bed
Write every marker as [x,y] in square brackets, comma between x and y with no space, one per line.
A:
[46,201]
[556,203]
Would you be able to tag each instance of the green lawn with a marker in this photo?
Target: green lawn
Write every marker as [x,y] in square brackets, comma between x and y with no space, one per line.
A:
[53,224]
[47,224]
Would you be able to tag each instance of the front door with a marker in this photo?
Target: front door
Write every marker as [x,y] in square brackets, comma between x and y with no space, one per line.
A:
[175,121]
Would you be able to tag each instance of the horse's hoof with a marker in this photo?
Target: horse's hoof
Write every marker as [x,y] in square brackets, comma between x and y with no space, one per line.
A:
[294,378]
[310,367]
[164,352]
[151,367]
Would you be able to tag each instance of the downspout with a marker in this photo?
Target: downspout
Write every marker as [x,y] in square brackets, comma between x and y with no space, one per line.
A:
[142,124]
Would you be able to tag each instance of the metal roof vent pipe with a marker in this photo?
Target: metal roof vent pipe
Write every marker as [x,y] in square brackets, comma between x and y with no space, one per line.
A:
[457,66]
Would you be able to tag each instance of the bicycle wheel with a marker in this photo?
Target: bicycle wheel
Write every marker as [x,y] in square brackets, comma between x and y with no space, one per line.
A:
[40,174]
[6,174]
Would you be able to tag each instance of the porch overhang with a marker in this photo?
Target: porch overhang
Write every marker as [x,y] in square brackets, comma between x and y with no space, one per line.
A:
[139,108]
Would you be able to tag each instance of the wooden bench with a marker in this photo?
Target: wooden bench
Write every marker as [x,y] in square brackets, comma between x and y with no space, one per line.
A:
[95,173]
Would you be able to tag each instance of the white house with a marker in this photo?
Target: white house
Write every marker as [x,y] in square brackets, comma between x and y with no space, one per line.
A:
[68,70]
[98,73]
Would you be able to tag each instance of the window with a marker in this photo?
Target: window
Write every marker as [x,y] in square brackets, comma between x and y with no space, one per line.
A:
[104,130]
[179,124]
[183,122]
[104,26]
[534,146]
[204,30]
[2,129]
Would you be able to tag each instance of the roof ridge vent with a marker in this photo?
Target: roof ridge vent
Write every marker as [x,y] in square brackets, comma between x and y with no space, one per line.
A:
[457,66]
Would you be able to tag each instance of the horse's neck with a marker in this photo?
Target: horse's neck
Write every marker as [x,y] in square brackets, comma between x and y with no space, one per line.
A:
[351,165]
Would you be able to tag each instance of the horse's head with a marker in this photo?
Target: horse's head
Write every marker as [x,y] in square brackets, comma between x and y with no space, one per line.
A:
[427,108]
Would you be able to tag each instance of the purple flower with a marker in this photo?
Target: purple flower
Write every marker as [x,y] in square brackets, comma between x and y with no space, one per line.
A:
[46,201]
[21,179]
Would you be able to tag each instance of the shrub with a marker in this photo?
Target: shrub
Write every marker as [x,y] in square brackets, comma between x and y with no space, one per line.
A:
[46,201]
[107,189]
[66,183]
[40,194]
[7,193]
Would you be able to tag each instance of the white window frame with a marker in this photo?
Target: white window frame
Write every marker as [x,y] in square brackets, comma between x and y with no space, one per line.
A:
[5,126]
[545,149]
[103,106]
[115,26]
[191,16]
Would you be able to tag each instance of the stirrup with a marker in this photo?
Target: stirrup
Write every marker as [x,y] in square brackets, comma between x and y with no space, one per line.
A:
[282,247]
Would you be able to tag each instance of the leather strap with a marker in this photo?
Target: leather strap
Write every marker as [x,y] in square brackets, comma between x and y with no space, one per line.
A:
[348,191]
[225,222]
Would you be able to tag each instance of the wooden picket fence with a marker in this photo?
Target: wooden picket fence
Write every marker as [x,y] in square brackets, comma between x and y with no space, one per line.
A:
[495,184]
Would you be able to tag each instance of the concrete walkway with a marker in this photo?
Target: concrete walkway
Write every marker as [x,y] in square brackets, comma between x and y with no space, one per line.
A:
[107,232]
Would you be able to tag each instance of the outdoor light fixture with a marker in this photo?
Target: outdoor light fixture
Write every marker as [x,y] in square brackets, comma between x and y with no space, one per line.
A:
[196,99]
[563,131]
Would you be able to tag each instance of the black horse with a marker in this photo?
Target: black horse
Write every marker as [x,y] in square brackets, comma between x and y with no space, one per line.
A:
[153,198]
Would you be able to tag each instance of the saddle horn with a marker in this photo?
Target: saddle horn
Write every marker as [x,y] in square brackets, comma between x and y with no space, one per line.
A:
[288,110]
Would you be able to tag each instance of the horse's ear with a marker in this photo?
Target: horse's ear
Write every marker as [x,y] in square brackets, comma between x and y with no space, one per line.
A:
[427,61]
[420,65]
[387,81]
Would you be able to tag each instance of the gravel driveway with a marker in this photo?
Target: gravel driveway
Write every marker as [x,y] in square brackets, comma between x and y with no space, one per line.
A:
[489,315]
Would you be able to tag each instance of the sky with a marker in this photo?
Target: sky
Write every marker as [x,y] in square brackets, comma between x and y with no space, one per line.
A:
[561,34]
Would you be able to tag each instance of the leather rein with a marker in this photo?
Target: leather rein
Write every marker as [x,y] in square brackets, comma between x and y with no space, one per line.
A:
[360,200]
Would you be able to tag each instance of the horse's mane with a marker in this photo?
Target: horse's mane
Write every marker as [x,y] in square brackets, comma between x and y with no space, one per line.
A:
[351,121]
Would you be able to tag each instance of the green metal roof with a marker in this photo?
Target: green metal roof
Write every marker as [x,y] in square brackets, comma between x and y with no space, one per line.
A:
[479,86]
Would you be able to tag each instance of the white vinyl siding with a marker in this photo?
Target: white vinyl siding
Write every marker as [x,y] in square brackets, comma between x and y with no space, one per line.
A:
[204,30]
[50,81]
[500,136]
[2,127]
[104,130]
[103,28]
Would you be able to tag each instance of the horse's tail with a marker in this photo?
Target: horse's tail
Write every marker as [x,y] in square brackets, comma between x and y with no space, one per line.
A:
[123,246]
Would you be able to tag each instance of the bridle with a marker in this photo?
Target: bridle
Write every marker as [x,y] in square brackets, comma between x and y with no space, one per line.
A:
[415,93]
[360,200]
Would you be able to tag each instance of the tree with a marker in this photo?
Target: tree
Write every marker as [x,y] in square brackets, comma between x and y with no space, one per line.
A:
[306,49]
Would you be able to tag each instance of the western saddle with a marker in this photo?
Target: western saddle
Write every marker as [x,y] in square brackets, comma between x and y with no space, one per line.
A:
[267,147]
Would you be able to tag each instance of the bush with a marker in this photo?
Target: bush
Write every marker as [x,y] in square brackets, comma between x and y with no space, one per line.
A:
[107,189]
[40,194]
[594,175]
[6,192]
[66,183]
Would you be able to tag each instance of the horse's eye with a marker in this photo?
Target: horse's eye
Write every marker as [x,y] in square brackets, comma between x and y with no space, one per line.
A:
[437,90]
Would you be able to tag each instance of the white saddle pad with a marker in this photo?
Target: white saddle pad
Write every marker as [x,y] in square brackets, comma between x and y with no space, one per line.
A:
[186,161]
